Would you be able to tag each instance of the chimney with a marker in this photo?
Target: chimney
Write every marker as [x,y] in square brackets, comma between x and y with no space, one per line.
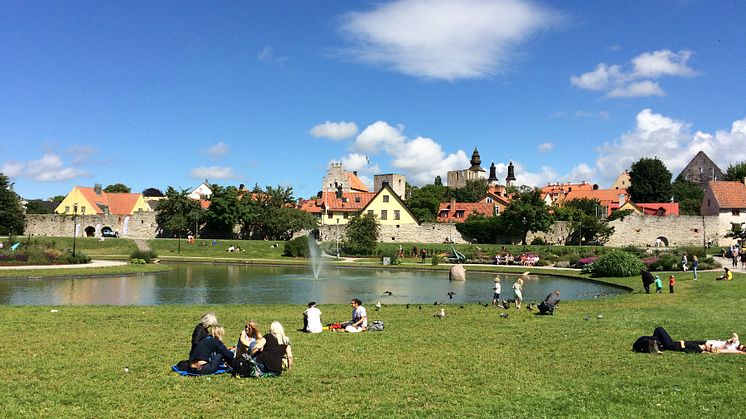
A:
[339,192]
[97,188]
[354,172]
[595,187]
[453,204]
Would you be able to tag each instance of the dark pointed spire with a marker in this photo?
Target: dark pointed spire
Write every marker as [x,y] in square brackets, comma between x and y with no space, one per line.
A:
[476,161]
[511,175]
[493,174]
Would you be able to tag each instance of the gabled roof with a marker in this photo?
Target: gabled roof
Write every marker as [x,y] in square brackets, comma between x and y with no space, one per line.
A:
[118,203]
[654,208]
[603,195]
[504,200]
[350,201]
[728,194]
[355,183]
[460,211]
[395,196]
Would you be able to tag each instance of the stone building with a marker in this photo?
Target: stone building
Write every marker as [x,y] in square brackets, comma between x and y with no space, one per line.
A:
[701,170]
[458,178]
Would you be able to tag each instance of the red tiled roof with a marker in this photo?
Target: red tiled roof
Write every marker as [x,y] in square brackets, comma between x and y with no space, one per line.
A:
[355,183]
[728,194]
[118,203]
[94,199]
[603,195]
[462,210]
[312,206]
[350,202]
[663,208]
[558,188]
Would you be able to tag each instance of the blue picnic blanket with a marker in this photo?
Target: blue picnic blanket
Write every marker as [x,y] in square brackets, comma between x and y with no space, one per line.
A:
[187,373]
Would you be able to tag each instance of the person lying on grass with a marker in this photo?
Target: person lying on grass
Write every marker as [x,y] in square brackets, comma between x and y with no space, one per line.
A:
[662,341]
[270,350]
[210,353]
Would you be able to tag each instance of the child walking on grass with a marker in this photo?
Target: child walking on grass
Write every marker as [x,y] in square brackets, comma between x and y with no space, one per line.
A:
[671,283]
[658,285]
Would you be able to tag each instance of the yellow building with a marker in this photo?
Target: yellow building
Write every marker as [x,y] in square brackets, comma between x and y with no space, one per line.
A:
[389,208]
[336,208]
[91,201]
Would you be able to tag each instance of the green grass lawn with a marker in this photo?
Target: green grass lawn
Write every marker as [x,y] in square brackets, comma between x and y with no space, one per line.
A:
[472,363]
[90,246]
[129,269]
[250,249]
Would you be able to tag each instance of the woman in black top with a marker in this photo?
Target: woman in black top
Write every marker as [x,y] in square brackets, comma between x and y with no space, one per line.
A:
[210,353]
[270,350]
[200,331]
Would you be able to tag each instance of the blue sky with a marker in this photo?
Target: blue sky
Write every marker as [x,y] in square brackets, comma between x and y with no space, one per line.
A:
[157,94]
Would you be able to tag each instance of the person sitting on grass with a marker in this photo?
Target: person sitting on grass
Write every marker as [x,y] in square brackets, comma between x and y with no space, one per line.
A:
[201,330]
[359,320]
[312,319]
[210,353]
[547,306]
[727,275]
[271,349]
[248,339]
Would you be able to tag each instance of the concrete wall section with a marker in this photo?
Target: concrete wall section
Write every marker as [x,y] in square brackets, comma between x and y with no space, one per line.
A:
[136,226]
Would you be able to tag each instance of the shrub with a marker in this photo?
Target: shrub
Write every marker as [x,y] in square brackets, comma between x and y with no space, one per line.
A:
[617,263]
[297,248]
[435,261]
[538,241]
[146,255]
[78,259]
[663,262]
[136,261]
[392,254]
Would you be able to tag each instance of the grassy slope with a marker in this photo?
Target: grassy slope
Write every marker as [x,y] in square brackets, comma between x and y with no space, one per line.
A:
[472,363]
[88,245]
[113,270]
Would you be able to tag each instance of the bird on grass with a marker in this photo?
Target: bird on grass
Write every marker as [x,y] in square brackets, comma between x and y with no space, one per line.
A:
[389,293]
[506,304]
[378,305]
[407,306]
[435,303]
[530,307]
[441,314]
[451,294]
[504,315]
[420,307]
[461,306]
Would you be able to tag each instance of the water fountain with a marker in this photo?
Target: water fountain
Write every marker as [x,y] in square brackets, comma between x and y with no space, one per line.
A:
[315,254]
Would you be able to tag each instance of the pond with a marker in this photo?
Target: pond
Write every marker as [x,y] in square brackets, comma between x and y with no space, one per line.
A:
[241,284]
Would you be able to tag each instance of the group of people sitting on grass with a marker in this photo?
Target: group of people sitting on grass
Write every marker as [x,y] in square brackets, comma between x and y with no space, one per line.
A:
[269,354]
[661,341]
[358,323]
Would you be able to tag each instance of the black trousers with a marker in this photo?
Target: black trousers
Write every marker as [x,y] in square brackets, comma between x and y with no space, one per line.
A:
[666,343]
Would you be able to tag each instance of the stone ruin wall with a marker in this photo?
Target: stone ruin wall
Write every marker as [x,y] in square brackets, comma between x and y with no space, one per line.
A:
[140,225]
[681,230]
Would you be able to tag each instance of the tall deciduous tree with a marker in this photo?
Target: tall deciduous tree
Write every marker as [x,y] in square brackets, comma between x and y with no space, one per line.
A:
[424,201]
[688,194]
[11,211]
[117,188]
[650,181]
[361,235]
[473,191]
[585,224]
[178,213]
[526,212]
[736,172]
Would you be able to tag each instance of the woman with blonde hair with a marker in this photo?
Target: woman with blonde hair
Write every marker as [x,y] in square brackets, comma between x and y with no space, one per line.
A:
[248,339]
[210,353]
[201,330]
[517,290]
[271,349]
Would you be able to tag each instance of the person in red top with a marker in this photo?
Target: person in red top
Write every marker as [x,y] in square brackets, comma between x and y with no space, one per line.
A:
[671,283]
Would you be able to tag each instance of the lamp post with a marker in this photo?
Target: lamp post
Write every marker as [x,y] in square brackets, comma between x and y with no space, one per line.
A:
[75,226]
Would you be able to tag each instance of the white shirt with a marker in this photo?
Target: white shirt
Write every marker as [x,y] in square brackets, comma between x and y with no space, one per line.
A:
[313,315]
[497,288]
[360,313]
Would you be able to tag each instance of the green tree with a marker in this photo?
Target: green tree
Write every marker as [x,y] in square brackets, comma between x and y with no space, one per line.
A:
[526,212]
[585,224]
[57,198]
[36,207]
[736,172]
[482,229]
[650,181]
[226,210]
[117,188]
[425,201]
[270,214]
[361,235]
[11,211]
[473,191]
[152,192]
[689,196]
[178,213]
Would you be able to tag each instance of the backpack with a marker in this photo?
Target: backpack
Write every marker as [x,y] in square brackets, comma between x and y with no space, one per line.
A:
[245,367]
[376,326]
[646,344]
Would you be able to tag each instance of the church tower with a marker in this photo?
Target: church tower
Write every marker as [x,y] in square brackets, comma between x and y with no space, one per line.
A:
[492,180]
[511,175]
[476,161]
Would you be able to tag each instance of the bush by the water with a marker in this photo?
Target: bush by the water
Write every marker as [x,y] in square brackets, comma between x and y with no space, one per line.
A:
[297,248]
[616,263]
[136,261]
[146,255]
[78,259]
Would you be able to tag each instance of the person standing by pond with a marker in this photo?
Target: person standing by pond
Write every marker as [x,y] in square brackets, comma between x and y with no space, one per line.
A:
[695,265]
[517,291]
[658,285]
[496,291]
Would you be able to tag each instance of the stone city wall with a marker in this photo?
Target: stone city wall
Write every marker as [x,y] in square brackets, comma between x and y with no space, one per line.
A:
[675,231]
[412,233]
[139,226]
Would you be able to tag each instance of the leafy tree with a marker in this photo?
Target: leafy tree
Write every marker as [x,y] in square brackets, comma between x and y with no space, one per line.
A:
[425,201]
[585,225]
[361,235]
[11,211]
[526,212]
[152,192]
[438,181]
[36,207]
[616,214]
[178,213]
[117,188]
[482,229]
[650,181]
[226,210]
[689,196]
[736,172]
[269,214]
[473,191]
[57,198]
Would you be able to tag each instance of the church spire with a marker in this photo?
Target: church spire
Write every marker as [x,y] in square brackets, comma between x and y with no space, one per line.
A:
[511,175]
[476,161]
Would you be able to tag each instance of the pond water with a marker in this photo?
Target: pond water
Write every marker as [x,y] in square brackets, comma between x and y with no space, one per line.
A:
[240,284]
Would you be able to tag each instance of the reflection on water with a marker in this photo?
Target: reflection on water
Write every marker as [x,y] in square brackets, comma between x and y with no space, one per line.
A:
[239,284]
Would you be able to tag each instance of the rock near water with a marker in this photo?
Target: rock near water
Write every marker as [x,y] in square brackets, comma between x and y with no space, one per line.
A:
[458,273]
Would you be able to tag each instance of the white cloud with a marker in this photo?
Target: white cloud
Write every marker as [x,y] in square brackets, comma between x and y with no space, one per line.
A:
[81,153]
[213,172]
[673,142]
[637,81]
[218,150]
[360,163]
[266,55]
[335,130]
[443,39]
[379,136]
[546,147]
[50,168]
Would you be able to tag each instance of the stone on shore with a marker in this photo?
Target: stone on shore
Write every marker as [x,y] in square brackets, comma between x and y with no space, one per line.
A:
[458,273]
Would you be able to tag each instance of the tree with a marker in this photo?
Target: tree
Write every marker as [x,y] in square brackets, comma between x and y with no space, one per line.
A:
[689,196]
[438,181]
[270,214]
[57,198]
[482,229]
[526,212]
[585,225]
[736,172]
[117,188]
[177,213]
[473,191]
[152,192]
[650,181]
[425,201]
[36,207]
[11,211]
[361,235]
[226,210]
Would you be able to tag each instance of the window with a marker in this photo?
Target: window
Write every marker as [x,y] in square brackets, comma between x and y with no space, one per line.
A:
[735,213]
[708,202]
[397,215]
[385,198]
[460,214]
[329,214]
[67,209]
[370,212]
[82,209]
[357,199]
[384,215]
[489,200]
[346,216]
